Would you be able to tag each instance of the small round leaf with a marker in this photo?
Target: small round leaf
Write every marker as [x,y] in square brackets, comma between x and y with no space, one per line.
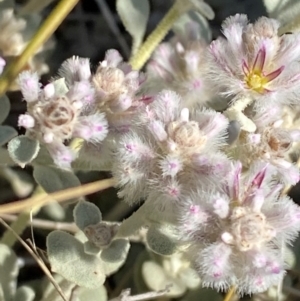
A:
[160,243]
[6,134]
[8,271]
[53,179]
[85,214]
[67,258]
[24,293]
[4,107]
[116,252]
[23,149]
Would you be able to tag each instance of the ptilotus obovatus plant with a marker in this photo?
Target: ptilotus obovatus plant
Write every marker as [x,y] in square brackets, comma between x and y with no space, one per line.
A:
[208,185]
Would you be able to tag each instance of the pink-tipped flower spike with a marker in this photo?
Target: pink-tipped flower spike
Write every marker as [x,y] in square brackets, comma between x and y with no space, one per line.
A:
[29,86]
[92,128]
[253,61]
[179,65]
[235,235]
[75,69]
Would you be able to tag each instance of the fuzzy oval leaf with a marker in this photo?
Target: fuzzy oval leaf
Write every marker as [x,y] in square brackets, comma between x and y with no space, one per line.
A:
[112,267]
[160,243]
[116,252]
[6,134]
[98,294]
[203,29]
[8,271]
[4,4]
[85,214]
[285,11]
[134,15]
[161,279]
[274,7]
[90,248]
[53,179]
[23,149]
[67,258]
[24,293]
[4,107]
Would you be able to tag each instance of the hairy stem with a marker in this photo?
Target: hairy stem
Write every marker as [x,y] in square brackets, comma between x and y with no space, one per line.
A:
[145,51]
[41,36]
[235,112]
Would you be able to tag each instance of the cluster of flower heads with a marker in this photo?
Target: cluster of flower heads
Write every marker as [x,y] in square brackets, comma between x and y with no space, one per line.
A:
[79,104]
[168,148]
[225,200]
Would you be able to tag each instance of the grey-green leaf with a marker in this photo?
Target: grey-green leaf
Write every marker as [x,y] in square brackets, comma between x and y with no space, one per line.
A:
[24,293]
[53,179]
[7,4]
[23,149]
[67,258]
[134,15]
[117,251]
[60,86]
[6,134]
[203,30]
[85,214]
[4,107]
[90,248]
[98,294]
[159,242]
[8,271]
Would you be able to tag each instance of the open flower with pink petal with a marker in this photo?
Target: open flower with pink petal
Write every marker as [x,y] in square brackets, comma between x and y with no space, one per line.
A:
[254,61]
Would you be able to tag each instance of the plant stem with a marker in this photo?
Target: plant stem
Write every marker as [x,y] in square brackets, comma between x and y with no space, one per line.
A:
[18,226]
[59,196]
[41,36]
[20,223]
[235,112]
[145,51]
[33,253]
[230,294]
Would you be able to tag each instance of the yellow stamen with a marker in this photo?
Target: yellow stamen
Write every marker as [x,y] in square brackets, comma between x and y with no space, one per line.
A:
[256,81]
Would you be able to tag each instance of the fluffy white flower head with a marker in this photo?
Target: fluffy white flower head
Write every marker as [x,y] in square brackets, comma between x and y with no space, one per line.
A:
[237,235]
